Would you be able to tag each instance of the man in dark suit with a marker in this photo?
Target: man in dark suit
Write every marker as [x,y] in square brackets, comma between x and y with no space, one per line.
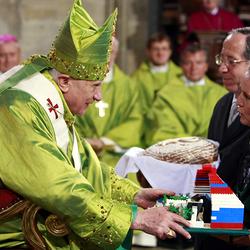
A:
[225,126]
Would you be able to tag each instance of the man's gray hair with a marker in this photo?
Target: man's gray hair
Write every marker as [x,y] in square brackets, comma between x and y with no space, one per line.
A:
[54,74]
[246,75]
[244,31]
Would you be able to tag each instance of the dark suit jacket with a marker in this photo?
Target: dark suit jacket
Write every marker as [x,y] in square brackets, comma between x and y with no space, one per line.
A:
[234,140]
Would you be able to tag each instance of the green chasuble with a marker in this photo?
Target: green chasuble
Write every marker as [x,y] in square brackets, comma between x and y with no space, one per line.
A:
[121,116]
[180,111]
[94,202]
[150,83]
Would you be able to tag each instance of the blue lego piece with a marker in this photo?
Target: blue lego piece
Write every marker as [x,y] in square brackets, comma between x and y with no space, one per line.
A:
[227,215]
[217,185]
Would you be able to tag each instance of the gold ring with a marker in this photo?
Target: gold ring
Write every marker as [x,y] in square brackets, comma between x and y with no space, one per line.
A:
[170,233]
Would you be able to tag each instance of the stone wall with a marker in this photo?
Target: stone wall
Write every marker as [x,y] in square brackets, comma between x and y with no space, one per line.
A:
[35,22]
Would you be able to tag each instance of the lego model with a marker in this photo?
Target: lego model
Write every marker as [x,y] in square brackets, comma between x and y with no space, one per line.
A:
[227,211]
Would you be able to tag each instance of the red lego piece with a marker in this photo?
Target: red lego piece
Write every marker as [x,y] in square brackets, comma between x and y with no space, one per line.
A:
[214,178]
[209,168]
[226,225]
[220,190]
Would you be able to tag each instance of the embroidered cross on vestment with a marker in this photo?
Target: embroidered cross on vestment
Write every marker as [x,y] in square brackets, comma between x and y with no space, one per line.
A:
[53,107]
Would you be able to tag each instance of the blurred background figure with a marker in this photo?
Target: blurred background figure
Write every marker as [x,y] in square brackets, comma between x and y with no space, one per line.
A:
[213,18]
[107,125]
[157,71]
[10,52]
[185,105]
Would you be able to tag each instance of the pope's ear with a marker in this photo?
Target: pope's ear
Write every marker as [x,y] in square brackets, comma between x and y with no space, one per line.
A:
[63,82]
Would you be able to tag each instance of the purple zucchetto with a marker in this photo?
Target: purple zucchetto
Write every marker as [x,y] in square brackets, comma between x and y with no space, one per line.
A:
[7,38]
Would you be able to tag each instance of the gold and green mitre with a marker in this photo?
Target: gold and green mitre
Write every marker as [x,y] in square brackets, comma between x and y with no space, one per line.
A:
[81,49]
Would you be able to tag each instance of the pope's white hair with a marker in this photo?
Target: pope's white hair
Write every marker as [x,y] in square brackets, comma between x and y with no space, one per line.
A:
[55,74]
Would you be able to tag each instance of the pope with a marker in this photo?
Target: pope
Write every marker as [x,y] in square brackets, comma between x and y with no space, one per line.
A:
[43,159]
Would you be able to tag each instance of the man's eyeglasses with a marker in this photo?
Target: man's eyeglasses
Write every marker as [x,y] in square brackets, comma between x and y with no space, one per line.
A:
[227,61]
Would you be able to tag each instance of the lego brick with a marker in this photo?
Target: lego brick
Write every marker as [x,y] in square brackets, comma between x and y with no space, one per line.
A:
[221,190]
[218,185]
[227,225]
[228,215]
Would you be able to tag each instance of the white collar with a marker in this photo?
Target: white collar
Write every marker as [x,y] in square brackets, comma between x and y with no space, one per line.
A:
[109,77]
[158,69]
[214,11]
[189,83]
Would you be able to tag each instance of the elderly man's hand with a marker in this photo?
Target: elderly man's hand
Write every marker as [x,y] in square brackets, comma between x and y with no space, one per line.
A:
[147,197]
[96,144]
[161,223]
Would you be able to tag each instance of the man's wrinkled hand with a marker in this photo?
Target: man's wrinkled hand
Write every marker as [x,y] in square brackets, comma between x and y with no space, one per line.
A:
[96,144]
[160,222]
